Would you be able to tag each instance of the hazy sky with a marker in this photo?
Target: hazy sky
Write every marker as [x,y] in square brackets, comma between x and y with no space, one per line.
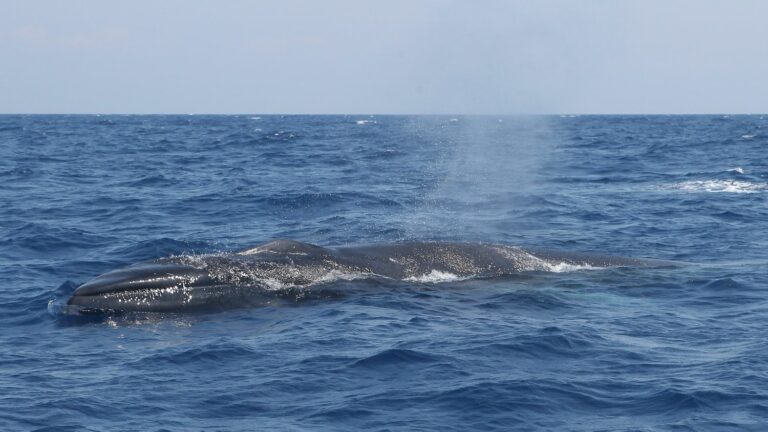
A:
[412,56]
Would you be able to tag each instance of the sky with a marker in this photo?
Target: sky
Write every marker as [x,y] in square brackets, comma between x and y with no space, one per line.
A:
[384,56]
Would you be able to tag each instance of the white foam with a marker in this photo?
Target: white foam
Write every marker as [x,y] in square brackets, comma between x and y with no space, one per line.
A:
[362,122]
[331,276]
[737,170]
[528,262]
[262,250]
[435,276]
[335,275]
[748,136]
[275,285]
[731,186]
[564,267]
[255,118]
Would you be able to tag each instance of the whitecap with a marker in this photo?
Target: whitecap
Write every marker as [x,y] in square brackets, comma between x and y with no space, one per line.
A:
[362,122]
[748,136]
[731,186]
[737,170]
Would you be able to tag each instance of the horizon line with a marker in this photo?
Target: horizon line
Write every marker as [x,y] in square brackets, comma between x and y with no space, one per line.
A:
[380,114]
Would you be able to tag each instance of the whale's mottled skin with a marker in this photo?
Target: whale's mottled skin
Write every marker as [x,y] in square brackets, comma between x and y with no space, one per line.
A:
[185,283]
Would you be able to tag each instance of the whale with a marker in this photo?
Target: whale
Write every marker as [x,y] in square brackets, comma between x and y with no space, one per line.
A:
[257,275]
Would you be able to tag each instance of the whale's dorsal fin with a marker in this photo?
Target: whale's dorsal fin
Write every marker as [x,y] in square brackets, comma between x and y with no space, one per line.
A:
[291,247]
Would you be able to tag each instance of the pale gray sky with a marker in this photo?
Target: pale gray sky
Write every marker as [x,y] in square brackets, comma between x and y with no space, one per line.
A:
[393,56]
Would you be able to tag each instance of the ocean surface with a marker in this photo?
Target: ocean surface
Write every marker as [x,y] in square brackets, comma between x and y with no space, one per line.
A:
[597,349]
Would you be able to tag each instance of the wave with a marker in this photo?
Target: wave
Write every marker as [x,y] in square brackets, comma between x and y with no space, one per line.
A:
[306,201]
[157,180]
[396,358]
[20,172]
[48,239]
[213,352]
[164,246]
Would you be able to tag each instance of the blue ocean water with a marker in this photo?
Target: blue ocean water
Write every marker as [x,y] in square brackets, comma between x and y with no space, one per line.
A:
[579,350]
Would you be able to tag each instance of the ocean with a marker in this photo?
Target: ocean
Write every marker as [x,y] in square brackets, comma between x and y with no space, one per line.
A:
[573,349]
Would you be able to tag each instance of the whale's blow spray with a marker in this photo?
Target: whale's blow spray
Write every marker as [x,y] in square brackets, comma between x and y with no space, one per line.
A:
[482,164]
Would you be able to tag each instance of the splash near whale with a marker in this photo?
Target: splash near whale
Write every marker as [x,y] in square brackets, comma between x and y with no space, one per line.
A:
[241,279]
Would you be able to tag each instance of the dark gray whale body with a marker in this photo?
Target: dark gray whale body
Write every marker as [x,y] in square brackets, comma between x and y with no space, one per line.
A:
[184,283]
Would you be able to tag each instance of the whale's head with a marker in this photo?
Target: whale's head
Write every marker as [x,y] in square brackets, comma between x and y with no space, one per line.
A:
[147,287]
